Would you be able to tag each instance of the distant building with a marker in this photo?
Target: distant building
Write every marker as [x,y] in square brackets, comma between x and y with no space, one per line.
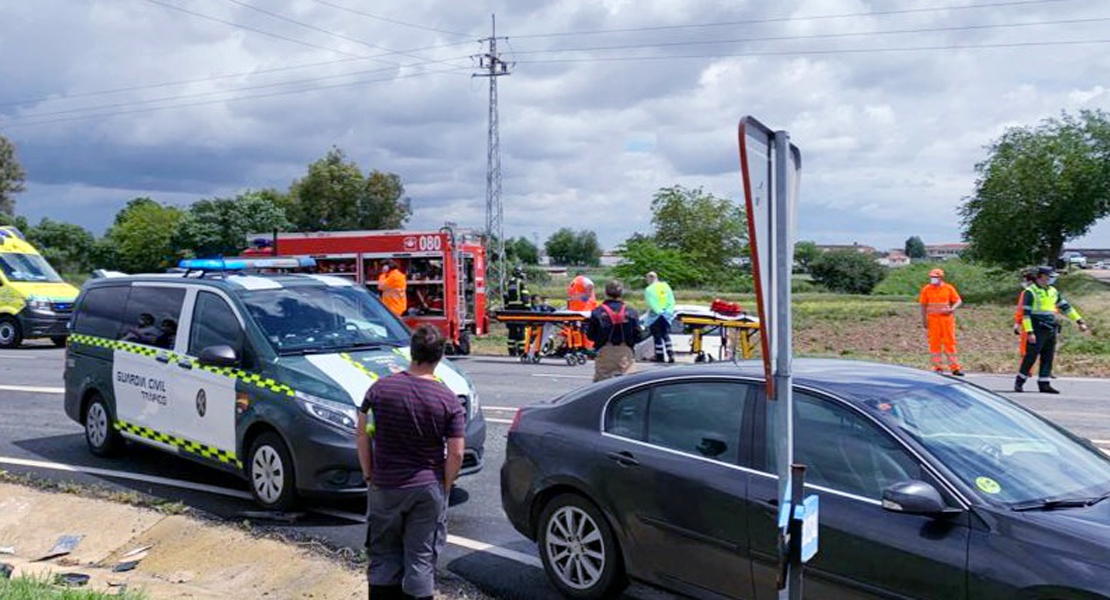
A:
[854,246]
[610,259]
[944,251]
[895,258]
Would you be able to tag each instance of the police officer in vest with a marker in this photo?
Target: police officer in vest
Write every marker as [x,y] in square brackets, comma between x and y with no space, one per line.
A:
[517,297]
[1039,303]
[614,328]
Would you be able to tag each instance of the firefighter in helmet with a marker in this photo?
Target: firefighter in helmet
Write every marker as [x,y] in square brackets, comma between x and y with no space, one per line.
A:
[517,297]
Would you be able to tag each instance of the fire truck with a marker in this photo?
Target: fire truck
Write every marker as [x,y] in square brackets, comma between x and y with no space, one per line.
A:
[445,271]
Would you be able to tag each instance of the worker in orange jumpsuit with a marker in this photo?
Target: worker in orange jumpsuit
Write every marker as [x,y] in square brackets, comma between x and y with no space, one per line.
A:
[939,301]
[391,285]
[581,297]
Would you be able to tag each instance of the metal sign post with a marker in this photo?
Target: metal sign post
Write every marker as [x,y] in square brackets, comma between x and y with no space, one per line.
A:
[770,165]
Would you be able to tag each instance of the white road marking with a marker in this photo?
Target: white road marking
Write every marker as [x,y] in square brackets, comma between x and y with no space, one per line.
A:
[562,376]
[505,421]
[53,466]
[476,545]
[14,357]
[500,408]
[32,389]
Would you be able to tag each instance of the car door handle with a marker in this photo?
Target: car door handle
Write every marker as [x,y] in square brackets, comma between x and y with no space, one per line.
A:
[185,364]
[624,459]
[162,358]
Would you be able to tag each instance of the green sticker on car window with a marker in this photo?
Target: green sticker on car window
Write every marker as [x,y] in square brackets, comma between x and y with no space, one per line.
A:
[988,485]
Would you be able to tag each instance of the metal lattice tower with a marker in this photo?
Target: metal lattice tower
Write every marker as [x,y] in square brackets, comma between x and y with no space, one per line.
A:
[495,231]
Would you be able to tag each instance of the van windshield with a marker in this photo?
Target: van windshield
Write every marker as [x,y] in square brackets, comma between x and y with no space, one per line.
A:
[320,319]
[27,267]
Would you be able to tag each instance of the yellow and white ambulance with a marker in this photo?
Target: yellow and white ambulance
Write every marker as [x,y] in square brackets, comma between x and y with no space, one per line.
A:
[34,301]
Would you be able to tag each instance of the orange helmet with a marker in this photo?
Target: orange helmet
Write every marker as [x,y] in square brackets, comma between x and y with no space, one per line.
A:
[936,273]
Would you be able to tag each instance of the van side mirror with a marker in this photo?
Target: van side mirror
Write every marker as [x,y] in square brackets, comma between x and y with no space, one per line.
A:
[914,497]
[218,356]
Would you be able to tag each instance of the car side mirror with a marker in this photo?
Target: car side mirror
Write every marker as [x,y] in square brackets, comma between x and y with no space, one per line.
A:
[914,497]
[218,356]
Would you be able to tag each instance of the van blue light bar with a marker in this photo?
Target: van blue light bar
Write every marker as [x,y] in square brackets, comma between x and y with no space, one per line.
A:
[242,264]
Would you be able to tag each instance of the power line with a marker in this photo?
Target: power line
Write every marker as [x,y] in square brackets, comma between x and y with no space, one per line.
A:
[388,20]
[788,19]
[818,52]
[218,77]
[321,30]
[236,99]
[819,36]
[131,103]
[249,28]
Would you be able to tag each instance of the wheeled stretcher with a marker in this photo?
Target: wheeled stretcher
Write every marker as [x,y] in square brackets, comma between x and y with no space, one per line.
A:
[738,333]
[559,333]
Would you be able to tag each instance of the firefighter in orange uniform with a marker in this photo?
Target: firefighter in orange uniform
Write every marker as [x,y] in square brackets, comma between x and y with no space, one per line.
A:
[581,297]
[391,285]
[939,301]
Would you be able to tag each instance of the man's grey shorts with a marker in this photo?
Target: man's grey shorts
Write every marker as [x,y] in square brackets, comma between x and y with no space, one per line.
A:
[407,529]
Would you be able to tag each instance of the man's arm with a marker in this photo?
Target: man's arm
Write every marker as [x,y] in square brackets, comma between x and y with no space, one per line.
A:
[924,317]
[455,447]
[365,452]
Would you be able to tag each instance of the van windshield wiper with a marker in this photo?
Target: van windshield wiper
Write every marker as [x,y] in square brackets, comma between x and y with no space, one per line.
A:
[1055,503]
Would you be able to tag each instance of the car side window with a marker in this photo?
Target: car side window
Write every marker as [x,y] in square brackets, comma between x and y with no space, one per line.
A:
[214,324]
[150,317]
[627,415]
[101,311]
[842,450]
[699,418]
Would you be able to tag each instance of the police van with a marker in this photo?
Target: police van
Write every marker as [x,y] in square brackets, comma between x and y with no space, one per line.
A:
[34,301]
[256,374]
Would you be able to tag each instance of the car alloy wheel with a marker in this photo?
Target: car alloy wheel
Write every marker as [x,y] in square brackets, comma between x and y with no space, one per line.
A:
[100,433]
[271,472]
[578,550]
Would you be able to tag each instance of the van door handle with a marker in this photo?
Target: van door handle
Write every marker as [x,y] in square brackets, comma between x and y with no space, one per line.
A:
[185,364]
[162,358]
[624,459]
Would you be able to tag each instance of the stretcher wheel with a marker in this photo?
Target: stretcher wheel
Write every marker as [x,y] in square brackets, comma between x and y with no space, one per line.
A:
[536,359]
[581,359]
[571,360]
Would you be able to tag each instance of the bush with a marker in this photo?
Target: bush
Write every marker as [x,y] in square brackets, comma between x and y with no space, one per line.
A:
[847,271]
[974,282]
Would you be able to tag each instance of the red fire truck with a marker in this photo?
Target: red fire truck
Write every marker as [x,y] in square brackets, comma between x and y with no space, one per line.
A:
[445,271]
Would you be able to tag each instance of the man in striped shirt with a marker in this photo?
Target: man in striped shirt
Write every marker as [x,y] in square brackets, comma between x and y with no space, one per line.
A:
[410,438]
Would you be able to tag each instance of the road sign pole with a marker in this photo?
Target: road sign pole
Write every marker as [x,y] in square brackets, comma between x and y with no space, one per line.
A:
[782,268]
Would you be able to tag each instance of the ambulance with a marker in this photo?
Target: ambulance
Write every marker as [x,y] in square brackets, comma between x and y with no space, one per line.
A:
[257,374]
[34,301]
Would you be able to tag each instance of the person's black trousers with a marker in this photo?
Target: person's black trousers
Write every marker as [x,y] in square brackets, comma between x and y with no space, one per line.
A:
[1044,349]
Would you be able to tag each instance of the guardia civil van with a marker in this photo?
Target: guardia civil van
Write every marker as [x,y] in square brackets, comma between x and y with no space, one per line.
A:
[34,301]
[256,374]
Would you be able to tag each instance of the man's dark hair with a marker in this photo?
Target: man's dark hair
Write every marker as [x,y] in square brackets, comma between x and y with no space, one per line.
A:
[427,344]
[614,289]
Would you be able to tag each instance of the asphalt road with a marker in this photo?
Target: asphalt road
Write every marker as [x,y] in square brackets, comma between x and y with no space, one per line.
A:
[36,437]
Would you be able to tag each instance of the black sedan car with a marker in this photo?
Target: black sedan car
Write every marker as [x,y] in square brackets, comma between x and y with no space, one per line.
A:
[930,487]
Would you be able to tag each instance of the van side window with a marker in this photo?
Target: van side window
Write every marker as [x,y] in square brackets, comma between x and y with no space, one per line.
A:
[101,311]
[214,324]
[151,315]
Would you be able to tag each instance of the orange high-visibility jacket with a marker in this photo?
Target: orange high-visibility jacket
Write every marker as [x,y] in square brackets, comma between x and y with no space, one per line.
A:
[937,298]
[580,294]
[392,287]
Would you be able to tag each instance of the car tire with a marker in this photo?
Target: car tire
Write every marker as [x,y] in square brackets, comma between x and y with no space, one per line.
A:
[270,473]
[100,428]
[578,549]
[11,333]
[59,340]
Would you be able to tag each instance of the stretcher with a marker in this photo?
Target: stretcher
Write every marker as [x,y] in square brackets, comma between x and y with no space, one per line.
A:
[738,333]
[559,333]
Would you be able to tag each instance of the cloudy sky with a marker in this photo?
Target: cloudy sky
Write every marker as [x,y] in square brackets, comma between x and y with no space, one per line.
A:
[890,101]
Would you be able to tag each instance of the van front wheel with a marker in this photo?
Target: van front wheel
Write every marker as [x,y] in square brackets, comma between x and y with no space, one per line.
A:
[270,471]
[11,334]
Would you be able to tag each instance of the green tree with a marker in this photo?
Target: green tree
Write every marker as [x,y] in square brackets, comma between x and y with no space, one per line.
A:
[707,230]
[335,195]
[805,252]
[1038,188]
[66,246]
[220,226]
[847,271]
[641,254]
[141,238]
[11,177]
[521,250]
[567,247]
[915,248]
